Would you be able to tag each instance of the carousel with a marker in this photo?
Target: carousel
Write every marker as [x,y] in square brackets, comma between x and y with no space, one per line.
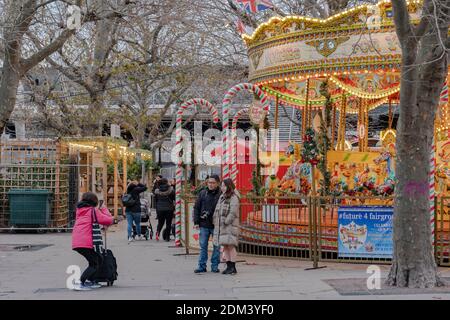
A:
[357,54]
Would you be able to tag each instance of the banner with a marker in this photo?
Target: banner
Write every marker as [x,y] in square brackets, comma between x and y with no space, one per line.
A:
[365,232]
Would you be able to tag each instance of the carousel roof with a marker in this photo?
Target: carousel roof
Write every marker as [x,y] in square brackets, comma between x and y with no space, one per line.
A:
[357,50]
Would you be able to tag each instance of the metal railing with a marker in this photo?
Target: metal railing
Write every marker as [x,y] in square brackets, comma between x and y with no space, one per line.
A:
[298,227]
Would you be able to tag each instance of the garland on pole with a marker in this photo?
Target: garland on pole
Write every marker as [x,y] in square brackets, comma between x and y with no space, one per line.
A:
[324,139]
[310,151]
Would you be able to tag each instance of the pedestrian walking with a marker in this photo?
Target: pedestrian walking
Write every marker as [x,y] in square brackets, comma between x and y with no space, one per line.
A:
[165,207]
[82,237]
[226,222]
[203,217]
[133,209]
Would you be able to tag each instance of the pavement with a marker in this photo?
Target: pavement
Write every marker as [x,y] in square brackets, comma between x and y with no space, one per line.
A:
[158,270]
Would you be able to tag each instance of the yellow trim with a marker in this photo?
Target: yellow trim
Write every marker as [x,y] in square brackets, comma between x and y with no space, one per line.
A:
[314,22]
[361,94]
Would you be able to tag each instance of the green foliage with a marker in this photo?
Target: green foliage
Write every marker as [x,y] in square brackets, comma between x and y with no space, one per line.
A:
[324,143]
[310,151]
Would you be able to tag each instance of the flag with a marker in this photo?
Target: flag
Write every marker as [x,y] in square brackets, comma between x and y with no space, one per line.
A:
[242,28]
[254,6]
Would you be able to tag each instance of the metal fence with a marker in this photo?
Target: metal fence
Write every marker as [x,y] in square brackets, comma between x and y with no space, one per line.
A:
[298,227]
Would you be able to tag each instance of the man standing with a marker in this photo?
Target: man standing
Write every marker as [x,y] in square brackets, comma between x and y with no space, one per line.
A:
[203,217]
[156,183]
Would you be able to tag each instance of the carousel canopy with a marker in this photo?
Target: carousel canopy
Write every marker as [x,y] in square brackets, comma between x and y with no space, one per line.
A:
[357,50]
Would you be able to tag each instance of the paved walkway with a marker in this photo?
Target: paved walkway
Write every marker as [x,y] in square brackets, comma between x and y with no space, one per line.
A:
[153,270]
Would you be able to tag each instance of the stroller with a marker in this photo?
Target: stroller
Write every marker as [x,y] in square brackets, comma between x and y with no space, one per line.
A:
[146,226]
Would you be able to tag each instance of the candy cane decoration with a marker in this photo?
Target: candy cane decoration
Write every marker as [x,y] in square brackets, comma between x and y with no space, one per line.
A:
[432,187]
[226,104]
[236,117]
[179,174]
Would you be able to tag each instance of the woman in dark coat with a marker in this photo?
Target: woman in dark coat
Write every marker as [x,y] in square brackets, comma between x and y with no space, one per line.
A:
[165,207]
[134,212]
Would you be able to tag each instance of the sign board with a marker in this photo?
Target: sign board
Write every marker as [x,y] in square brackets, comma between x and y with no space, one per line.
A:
[365,232]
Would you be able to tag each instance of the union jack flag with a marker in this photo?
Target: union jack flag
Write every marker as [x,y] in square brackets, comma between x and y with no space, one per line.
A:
[254,6]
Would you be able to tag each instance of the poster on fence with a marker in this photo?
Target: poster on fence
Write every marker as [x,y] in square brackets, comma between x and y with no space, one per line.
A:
[194,231]
[365,232]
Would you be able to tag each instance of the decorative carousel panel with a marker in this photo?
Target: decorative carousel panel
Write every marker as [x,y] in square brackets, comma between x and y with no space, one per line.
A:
[362,38]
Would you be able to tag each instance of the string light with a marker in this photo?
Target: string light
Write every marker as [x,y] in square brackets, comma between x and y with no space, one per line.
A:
[113,149]
[273,20]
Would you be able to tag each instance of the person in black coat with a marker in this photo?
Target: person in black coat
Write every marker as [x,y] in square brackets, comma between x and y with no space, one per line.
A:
[165,207]
[134,212]
[203,217]
[156,183]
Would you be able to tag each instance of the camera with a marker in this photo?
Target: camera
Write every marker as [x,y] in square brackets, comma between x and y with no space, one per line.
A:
[204,214]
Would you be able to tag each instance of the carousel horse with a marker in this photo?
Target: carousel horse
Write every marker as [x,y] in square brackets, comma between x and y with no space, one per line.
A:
[387,156]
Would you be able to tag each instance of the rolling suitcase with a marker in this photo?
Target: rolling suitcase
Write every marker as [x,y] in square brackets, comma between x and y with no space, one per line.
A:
[108,268]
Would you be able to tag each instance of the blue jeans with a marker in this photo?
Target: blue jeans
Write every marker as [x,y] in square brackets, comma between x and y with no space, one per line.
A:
[136,217]
[205,233]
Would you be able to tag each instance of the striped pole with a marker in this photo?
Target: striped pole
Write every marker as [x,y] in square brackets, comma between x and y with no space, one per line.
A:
[226,105]
[432,187]
[236,117]
[179,172]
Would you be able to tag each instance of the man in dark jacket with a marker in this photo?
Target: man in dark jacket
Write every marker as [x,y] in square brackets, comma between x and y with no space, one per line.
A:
[134,212]
[203,217]
[165,206]
[156,183]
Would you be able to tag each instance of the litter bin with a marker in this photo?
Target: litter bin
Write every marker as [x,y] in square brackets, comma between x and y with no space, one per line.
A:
[29,207]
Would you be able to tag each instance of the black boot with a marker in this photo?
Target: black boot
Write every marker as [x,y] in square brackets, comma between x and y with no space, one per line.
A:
[229,268]
[233,268]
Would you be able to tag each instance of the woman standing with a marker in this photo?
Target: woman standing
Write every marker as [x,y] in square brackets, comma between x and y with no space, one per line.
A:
[133,212]
[226,224]
[165,207]
[82,237]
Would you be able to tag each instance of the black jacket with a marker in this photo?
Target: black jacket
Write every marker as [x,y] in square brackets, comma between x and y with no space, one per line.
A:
[165,198]
[135,190]
[206,201]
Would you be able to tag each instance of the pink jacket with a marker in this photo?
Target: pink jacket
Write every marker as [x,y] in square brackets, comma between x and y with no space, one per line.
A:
[82,231]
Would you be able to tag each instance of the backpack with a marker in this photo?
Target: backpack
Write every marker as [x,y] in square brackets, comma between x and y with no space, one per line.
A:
[128,200]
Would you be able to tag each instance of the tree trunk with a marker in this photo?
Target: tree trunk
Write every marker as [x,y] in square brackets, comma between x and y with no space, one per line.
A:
[8,92]
[424,68]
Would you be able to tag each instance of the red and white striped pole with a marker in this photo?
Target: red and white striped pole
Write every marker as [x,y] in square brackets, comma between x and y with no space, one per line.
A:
[236,118]
[431,188]
[179,172]
[226,105]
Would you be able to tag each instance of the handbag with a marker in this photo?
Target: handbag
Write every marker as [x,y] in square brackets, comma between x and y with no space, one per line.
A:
[97,238]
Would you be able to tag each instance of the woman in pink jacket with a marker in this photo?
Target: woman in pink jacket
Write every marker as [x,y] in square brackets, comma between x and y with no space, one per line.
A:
[82,237]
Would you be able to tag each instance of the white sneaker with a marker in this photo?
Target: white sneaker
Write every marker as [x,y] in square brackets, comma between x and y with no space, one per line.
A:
[130,239]
[92,285]
[81,287]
